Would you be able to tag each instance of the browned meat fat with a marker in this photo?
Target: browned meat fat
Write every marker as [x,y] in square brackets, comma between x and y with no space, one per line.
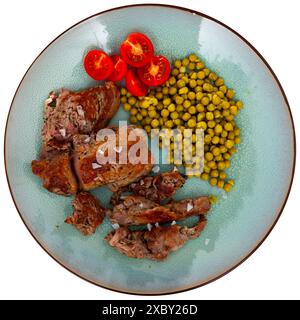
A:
[88,213]
[70,113]
[55,171]
[135,210]
[114,175]
[155,244]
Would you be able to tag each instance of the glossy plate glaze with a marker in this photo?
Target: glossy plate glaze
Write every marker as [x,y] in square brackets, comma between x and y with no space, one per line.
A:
[262,168]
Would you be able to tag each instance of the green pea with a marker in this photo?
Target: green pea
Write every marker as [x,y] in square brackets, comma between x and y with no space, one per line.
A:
[216,100]
[177,63]
[219,82]
[200,65]
[214,173]
[216,151]
[205,101]
[185,62]
[211,124]
[213,181]
[211,107]
[201,75]
[183,90]
[230,94]
[123,91]
[175,72]
[191,65]
[228,126]
[201,125]
[123,99]
[204,176]
[192,110]
[193,57]
[215,140]
[172,91]
[209,116]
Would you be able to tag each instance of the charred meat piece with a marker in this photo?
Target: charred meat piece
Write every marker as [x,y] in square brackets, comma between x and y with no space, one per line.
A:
[135,210]
[54,168]
[115,175]
[88,213]
[155,244]
[70,113]
[155,188]
[160,187]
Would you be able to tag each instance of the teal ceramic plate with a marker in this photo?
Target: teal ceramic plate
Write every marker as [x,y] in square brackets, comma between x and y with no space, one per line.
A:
[262,168]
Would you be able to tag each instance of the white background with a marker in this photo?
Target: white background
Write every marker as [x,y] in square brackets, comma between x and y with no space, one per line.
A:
[26,271]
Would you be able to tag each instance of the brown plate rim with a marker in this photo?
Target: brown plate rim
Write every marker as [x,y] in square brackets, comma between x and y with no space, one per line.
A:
[280,211]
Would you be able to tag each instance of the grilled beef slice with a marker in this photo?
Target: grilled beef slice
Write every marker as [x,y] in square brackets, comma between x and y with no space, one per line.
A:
[155,244]
[114,175]
[135,210]
[54,169]
[85,111]
[88,213]
[156,188]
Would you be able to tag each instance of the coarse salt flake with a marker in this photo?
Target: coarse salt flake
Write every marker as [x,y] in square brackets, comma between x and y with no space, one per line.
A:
[189,207]
[62,132]
[80,111]
[156,169]
[115,226]
[100,151]
[96,165]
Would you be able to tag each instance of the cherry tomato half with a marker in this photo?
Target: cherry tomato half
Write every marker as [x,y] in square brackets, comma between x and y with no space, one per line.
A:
[156,72]
[134,84]
[98,64]
[137,50]
[119,69]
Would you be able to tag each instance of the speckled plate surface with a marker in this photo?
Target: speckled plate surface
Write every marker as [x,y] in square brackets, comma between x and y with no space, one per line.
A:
[262,168]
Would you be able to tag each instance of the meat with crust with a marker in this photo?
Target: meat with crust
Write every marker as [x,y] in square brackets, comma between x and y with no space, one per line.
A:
[54,169]
[155,244]
[88,213]
[155,188]
[115,175]
[70,113]
[135,210]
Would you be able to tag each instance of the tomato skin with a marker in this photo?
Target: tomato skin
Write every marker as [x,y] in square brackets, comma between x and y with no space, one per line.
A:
[119,69]
[137,50]
[156,72]
[134,85]
[98,64]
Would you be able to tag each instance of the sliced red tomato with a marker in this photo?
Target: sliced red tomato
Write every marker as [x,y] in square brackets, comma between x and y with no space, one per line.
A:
[156,72]
[134,84]
[119,69]
[137,50]
[98,64]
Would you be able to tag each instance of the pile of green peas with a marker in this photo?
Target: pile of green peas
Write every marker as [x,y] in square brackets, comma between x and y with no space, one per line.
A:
[193,97]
